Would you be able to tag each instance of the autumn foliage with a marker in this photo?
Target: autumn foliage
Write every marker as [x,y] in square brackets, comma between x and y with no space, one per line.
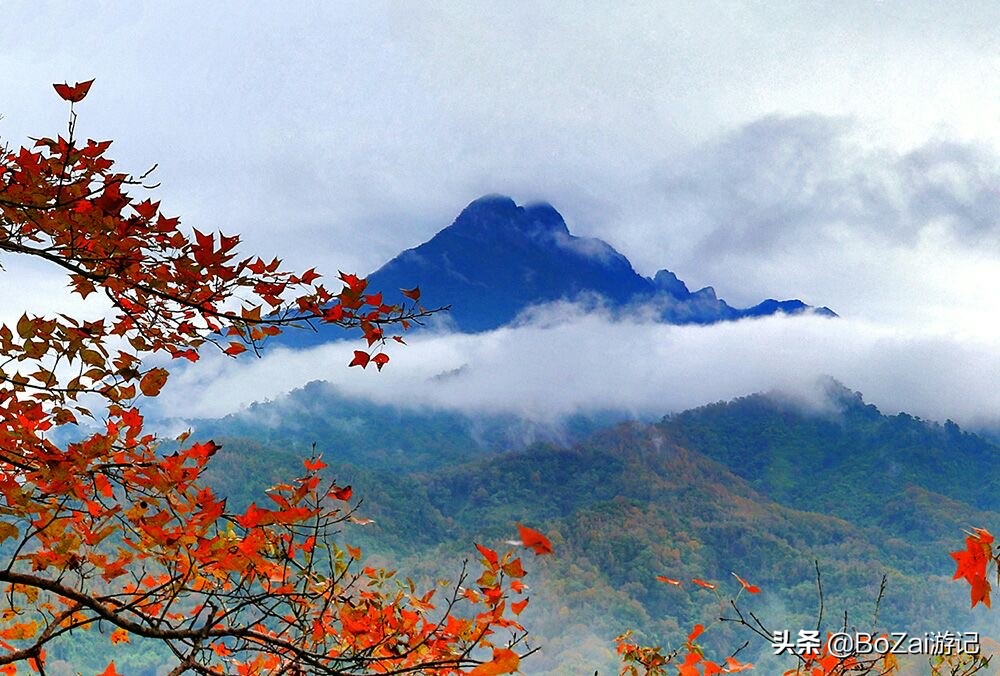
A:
[114,530]
[117,532]
[972,563]
[818,659]
[690,659]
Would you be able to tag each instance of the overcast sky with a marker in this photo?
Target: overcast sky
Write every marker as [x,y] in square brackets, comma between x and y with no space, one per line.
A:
[843,153]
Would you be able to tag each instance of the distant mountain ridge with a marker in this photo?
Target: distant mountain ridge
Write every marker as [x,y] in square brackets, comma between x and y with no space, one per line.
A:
[759,485]
[498,258]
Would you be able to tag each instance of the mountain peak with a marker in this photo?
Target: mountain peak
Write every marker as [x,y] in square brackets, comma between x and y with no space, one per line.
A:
[498,215]
[497,259]
[544,216]
[668,282]
[494,203]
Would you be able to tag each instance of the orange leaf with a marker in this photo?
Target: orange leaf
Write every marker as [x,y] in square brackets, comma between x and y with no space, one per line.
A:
[689,667]
[235,349]
[979,591]
[751,589]
[361,359]
[972,562]
[702,583]
[253,517]
[668,580]
[20,631]
[338,493]
[314,464]
[534,540]
[984,535]
[36,662]
[514,569]
[153,382]
[103,485]
[110,671]
[505,661]
[732,665]
[413,294]
[519,606]
[489,555]
[119,636]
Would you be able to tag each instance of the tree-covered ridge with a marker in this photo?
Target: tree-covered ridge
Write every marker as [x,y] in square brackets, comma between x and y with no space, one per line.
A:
[680,498]
[867,459]
[357,431]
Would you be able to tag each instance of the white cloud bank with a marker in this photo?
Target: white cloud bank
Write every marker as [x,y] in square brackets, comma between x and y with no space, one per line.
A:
[807,205]
[851,166]
[580,362]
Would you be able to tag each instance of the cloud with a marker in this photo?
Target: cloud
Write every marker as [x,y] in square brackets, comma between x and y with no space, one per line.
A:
[811,206]
[385,119]
[590,247]
[790,181]
[585,361]
[820,152]
[32,285]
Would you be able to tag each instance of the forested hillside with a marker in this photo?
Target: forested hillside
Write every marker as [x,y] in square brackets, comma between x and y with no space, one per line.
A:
[760,486]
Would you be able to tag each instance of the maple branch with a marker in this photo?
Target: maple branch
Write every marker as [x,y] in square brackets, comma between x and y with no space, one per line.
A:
[177,566]
[819,592]
[95,604]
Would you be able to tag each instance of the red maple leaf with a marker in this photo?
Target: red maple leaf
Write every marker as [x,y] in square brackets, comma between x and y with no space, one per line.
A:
[361,358]
[73,94]
[971,565]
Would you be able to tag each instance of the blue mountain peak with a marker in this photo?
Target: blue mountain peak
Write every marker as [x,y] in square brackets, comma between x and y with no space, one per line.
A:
[498,216]
[498,258]
[487,210]
[667,282]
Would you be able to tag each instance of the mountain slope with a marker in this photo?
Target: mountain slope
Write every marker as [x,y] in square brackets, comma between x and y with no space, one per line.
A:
[358,432]
[499,258]
[864,458]
[757,485]
[632,503]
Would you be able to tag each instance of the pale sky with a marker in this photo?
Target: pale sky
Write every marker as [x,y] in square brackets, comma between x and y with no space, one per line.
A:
[843,153]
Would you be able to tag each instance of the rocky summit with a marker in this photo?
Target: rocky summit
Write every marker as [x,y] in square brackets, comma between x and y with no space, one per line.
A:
[498,259]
